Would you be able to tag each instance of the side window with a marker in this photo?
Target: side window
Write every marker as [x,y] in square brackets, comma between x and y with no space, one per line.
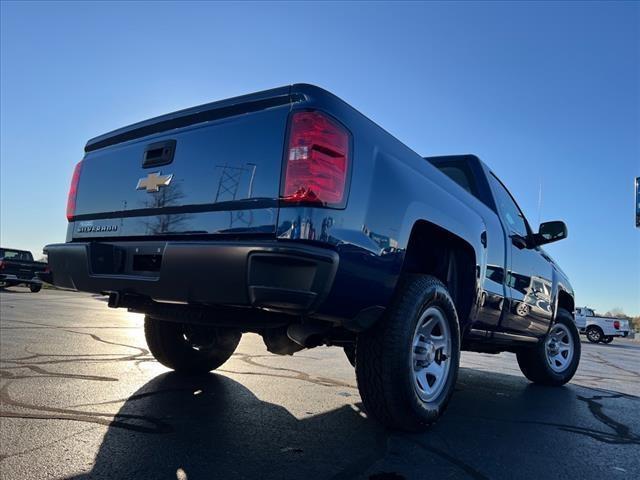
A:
[495,273]
[508,208]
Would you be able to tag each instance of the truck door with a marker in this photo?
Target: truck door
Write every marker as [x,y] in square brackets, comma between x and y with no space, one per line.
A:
[529,272]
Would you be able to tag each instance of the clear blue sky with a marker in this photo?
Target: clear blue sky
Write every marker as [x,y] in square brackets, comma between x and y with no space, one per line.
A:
[542,92]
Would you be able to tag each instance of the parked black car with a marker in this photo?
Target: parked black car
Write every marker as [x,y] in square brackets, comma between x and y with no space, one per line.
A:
[290,214]
[17,267]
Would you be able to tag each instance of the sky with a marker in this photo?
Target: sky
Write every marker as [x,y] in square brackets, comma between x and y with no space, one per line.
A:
[547,94]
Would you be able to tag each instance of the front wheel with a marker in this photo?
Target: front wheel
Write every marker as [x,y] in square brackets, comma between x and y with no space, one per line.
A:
[189,348]
[35,288]
[554,360]
[607,339]
[407,364]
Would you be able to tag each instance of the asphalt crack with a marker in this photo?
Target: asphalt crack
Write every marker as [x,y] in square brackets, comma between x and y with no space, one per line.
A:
[297,374]
[136,423]
[453,460]
[621,434]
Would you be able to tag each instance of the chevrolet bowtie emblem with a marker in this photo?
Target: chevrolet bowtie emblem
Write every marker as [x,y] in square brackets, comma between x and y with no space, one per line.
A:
[153,182]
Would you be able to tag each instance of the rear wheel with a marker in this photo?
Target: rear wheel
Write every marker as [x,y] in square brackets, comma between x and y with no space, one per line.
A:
[350,352]
[35,288]
[554,360]
[594,334]
[189,348]
[407,364]
[607,339]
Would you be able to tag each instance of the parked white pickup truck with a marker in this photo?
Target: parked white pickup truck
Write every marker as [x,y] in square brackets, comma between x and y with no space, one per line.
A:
[600,329]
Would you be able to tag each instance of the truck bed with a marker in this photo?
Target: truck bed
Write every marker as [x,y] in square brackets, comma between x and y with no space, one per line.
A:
[222,180]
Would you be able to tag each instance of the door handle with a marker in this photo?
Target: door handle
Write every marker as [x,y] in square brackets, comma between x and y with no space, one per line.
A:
[158,153]
[483,239]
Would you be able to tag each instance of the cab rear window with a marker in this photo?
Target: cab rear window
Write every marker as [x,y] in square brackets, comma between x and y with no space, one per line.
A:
[15,254]
[459,176]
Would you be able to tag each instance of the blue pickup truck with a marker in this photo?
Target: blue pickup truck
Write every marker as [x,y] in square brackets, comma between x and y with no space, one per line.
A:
[290,214]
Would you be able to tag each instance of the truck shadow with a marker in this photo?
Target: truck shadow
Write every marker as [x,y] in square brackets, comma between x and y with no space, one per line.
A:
[213,427]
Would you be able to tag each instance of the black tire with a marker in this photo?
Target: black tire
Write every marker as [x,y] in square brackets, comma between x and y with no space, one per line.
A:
[350,352]
[35,288]
[594,334]
[607,339]
[189,348]
[385,356]
[533,361]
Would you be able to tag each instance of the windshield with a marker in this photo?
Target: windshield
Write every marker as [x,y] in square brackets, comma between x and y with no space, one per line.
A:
[15,254]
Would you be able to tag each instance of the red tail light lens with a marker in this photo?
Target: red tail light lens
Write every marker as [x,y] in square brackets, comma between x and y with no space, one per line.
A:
[1,265]
[317,160]
[616,325]
[73,191]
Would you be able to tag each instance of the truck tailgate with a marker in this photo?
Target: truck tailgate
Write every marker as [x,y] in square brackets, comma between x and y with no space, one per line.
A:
[22,268]
[213,169]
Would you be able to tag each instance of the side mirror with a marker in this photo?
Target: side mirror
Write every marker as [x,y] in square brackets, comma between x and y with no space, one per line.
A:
[550,232]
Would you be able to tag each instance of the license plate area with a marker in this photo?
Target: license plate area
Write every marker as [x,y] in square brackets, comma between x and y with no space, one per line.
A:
[118,259]
[147,263]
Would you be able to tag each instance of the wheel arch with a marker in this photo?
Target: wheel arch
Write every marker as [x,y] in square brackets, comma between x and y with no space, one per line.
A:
[434,250]
[565,301]
[593,326]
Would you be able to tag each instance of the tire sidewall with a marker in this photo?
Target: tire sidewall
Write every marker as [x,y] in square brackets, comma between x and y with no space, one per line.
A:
[597,331]
[166,343]
[563,377]
[436,296]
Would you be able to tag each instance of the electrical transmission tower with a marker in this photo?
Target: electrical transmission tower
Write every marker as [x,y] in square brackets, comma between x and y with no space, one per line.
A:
[228,185]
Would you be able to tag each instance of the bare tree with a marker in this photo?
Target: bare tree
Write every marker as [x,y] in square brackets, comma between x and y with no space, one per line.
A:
[169,196]
[616,312]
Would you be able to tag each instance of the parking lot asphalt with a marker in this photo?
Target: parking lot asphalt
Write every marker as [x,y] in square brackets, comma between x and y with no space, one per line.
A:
[81,397]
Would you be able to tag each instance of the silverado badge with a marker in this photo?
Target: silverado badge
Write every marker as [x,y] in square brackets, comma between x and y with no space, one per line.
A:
[153,182]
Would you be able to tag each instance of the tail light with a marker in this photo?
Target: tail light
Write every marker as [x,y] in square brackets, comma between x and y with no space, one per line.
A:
[1,265]
[73,191]
[317,160]
[616,324]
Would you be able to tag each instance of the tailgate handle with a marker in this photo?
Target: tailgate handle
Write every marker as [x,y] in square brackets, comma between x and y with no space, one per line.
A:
[159,153]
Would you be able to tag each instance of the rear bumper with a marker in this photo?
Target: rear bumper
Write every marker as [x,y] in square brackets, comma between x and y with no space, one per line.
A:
[16,280]
[617,333]
[274,275]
